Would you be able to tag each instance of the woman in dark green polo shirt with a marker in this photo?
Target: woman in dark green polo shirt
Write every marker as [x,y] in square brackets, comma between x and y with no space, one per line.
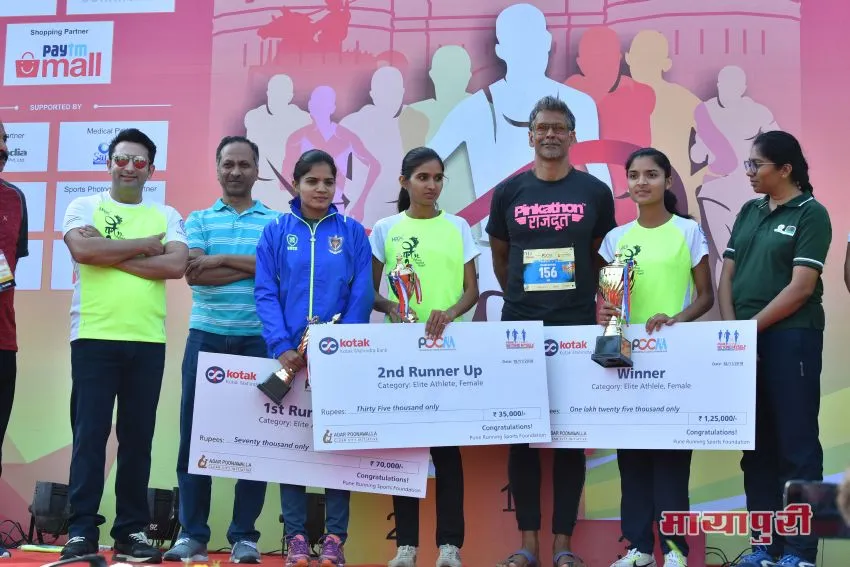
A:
[772,273]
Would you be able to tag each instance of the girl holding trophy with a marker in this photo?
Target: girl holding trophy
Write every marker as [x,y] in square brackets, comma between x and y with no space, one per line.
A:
[429,259]
[670,260]
[313,265]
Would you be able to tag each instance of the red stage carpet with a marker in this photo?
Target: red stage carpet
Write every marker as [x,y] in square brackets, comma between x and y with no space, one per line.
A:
[595,540]
[34,559]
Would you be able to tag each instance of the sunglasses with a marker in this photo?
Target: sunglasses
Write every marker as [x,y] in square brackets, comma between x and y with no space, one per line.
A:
[121,160]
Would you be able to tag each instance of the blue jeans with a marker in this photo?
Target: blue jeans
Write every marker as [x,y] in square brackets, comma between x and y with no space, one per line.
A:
[195,490]
[293,504]
[787,434]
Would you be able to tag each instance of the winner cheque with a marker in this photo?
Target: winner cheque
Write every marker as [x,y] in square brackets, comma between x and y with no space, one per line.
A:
[387,386]
[693,386]
[238,433]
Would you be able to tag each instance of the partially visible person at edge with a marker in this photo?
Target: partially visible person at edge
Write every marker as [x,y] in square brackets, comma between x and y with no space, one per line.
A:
[440,248]
[222,245]
[847,265]
[551,211]
[772,273]
[286,297]
[671,263]
[124,248]
[13,247]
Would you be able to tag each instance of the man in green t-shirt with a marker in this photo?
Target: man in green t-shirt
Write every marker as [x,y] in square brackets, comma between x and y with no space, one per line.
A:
[124,248]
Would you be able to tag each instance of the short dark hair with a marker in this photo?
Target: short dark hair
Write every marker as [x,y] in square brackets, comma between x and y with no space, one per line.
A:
[555,104]
[227,140]
[135,136]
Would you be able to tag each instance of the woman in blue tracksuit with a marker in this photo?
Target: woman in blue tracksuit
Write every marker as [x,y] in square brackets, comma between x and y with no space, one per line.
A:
[312,261]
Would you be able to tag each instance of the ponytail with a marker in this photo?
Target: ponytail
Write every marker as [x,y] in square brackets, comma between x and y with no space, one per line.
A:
[803,181]
[671,204]
[782,148]
[403,200]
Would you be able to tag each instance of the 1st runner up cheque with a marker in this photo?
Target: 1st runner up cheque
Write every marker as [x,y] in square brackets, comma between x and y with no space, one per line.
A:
[387,386]
[238,433]
[693,386]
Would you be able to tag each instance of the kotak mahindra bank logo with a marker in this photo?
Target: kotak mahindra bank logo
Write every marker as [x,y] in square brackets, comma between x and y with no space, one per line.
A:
[552,347]
[217,375]
[330,345]
[72,53]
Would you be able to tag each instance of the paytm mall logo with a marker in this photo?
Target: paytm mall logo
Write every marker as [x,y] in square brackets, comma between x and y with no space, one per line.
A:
[217,375]
[441,343]
[552,347]
[651,344]
[73,53]
[728,340]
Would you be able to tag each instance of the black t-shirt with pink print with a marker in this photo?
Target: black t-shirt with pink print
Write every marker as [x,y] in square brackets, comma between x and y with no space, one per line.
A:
[550,227]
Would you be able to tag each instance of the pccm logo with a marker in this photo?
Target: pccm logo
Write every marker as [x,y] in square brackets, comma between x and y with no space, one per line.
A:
[328,345]
[649,345]
[550,347]
[215,374]
[441,343]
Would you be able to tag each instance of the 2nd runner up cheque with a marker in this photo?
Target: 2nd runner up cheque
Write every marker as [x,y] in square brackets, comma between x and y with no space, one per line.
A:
[388,386]
[693,386]
[238,433]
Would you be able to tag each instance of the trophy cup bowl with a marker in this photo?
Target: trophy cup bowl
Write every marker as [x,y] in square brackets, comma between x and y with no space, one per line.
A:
[279,383]
[404,283]
[613,350]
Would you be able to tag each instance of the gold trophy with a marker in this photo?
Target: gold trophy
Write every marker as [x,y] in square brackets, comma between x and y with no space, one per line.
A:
[404,284]
[278,384]
[616,281]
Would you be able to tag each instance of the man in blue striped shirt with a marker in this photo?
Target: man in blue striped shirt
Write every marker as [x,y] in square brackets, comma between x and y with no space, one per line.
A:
[222,247]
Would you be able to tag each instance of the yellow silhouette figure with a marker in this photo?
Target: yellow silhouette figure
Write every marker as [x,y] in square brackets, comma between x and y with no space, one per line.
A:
[673,119]
[451,72]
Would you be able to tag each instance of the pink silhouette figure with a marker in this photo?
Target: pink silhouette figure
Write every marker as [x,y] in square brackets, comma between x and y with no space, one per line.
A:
[725,128]
[338,141]
[332,30]
[300,33]
[624,105]
[378,126]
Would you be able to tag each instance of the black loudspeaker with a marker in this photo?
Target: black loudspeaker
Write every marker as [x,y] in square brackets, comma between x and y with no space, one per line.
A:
[315,518]
[163,506]
[315,521]
[49,510]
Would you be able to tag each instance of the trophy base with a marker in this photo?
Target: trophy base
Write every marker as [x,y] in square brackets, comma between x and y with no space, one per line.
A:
[612,351]
[274,388]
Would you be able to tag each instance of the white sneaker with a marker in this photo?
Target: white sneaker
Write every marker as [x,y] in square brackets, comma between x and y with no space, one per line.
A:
[404,557]
[635,558]
[449,556]
[675,559]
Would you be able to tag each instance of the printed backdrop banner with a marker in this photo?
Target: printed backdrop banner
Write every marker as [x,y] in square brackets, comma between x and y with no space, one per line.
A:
[367,80]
